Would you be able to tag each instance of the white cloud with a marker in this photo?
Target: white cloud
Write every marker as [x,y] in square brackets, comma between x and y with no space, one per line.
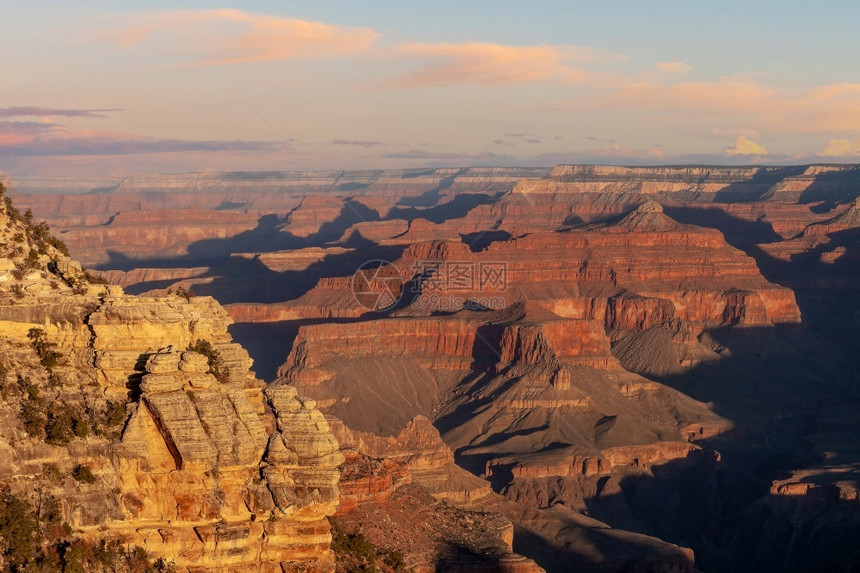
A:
[744,146]
[841,148]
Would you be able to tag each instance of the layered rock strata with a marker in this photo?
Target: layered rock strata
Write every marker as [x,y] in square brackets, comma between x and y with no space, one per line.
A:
[211,473]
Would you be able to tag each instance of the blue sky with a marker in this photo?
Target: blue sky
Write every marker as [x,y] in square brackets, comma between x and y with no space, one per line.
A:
[186,86]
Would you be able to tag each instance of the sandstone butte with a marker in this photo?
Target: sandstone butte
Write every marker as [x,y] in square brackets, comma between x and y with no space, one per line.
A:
[643,270]
[211,474]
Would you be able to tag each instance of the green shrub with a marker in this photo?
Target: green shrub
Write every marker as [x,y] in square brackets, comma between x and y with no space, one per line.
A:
[83,474]
[11,212]
[95,279]
[32,413]
[4,371]
[52,474]
[56,423]
[114,414]
[19,531]
[395,560]
[181,291]
[32,260]
[59,428]
[80,556]
[80,428]
[353,549]
[216,363]
[32,540]
[57,244]
[40,233]
[47,357]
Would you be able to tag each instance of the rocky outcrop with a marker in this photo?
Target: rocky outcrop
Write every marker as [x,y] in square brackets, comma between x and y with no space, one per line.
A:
[415,361]
[389,479]
[520,394]
[849,218]
[184,453]
[189,467]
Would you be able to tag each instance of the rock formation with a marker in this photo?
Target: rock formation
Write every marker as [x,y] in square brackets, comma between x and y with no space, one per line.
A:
[656,358]
[141,416]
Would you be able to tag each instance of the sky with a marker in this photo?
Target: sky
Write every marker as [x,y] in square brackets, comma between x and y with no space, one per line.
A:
[117,88]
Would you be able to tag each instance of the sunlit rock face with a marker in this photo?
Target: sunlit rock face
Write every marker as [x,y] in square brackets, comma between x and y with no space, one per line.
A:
[187,455]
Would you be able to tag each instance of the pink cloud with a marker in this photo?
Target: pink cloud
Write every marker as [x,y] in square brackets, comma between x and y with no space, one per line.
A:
[491,64]
[228,36]
[726,96]
[762,107]
[676,67]
[356,142]
[24,111]
[31,139]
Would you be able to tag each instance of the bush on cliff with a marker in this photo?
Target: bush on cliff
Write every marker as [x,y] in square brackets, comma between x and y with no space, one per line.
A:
[216,363]
[355,554]
[39,234]
[19,531]
[48,357]
[83,474]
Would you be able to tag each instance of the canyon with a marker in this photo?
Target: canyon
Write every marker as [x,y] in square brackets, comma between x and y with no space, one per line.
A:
[648,369]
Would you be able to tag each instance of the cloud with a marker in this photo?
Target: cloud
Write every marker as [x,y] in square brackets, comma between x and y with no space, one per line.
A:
[358,142]
[759,106]
[488,64]
[484,157]
[25,111]
[36,139]
[227,36]
[14,133]
[533,140]
[722,133]
[841,148]
[596,139]
[730,95]
[419,154]
[744,146]
[676,67]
